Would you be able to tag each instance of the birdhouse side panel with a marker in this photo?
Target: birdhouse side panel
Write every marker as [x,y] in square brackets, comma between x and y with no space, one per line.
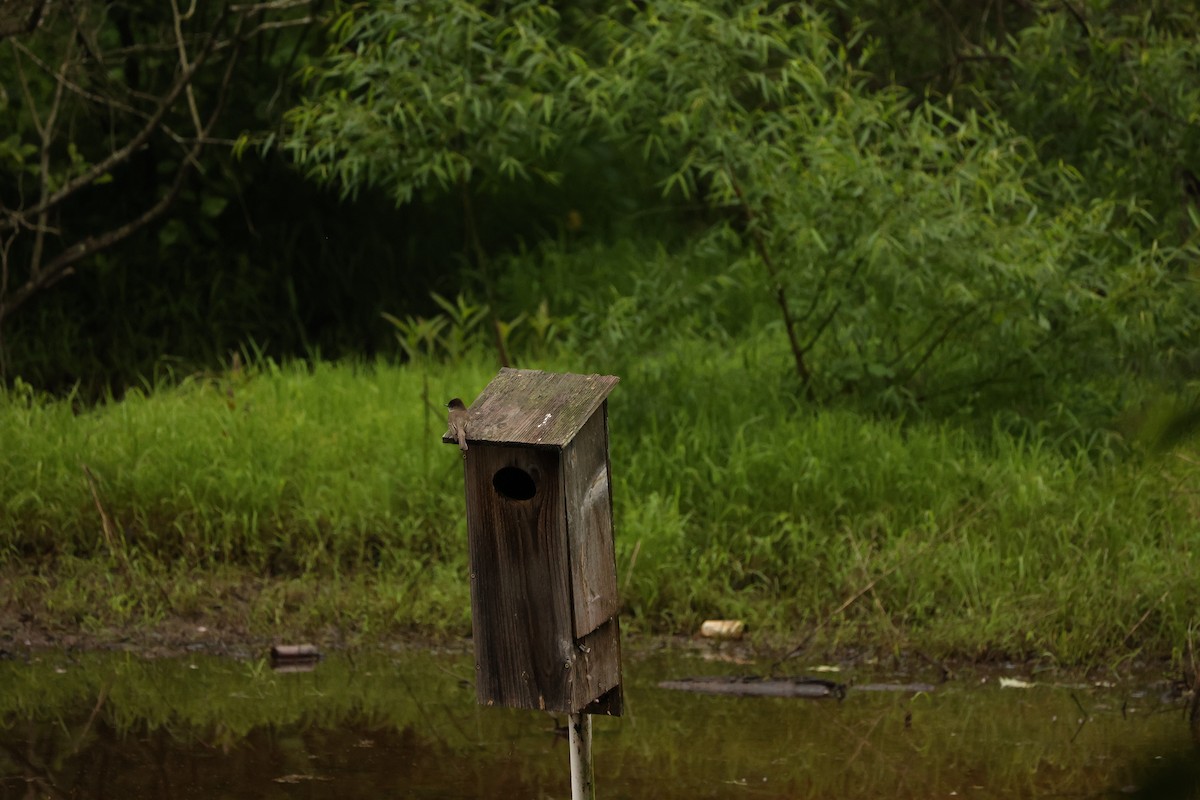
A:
[590,525]
[596,680]
[520,587]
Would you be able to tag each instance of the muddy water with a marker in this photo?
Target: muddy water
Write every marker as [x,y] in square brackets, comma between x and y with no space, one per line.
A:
[405,724]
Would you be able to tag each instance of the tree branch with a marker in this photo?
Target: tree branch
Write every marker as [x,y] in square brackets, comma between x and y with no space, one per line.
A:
[1078,15]
[61,266]
[273,5]
[110,103]
[12,25]
[824,323]
[118,156]
[47,136]
[789,322]
[176,18]
[936,343]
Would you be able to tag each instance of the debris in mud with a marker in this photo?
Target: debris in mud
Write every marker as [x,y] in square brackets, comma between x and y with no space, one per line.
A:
[755,686]
[722,629]
[299,778]
[294,657]
[805,687]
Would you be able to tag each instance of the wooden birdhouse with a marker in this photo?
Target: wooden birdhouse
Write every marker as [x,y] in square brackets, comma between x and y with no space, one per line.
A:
[540,536]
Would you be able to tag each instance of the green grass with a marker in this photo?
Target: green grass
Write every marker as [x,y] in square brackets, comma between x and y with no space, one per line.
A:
[331,473]
[320,498]
[961,543]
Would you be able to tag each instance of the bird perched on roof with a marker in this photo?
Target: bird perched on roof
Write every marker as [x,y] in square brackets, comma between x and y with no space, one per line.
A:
[458,423]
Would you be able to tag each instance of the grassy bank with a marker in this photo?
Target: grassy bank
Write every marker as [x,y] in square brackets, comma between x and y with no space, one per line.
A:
[313,498]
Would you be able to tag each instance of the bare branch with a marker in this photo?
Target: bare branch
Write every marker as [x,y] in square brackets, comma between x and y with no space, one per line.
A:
[295,22]
[781,298]
[183,60]
[47,131]
[1078,15]
[5,246]
[106,165]
[275,5]
[71,85]
[37,120]
[937,342]
[61,266]
[111,103]
[13,23]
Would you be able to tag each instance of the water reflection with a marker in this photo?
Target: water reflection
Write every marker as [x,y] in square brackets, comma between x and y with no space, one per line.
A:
[406,725]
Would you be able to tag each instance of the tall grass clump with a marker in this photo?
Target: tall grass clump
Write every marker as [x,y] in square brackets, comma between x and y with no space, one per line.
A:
[901,534]
[314,471]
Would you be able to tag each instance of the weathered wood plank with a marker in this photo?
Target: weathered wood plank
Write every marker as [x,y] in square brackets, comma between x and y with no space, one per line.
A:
[590,525]
[752,685]
[520,588]
[755,686]
[531,408]
[596,675]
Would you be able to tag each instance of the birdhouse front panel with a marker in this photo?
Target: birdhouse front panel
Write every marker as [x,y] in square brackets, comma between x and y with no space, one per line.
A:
[520,582]
[539,524]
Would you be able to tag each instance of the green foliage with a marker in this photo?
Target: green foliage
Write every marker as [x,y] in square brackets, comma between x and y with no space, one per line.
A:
[248,250]
[1111,92]
[464,328]
[916,256]
[859,328]
[419,95]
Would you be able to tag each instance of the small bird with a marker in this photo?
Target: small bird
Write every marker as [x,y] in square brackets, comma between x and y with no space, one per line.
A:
[458,423]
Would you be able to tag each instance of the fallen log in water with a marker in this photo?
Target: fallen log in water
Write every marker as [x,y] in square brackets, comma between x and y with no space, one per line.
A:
[753,685]
[756,686]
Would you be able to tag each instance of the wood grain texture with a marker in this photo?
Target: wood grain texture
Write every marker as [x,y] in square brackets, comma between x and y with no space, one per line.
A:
[520,587]
[531,408]
[540,539]
[596,675]
[590,525]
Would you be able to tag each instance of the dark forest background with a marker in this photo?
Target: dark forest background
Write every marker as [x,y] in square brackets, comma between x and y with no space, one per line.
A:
[932,205]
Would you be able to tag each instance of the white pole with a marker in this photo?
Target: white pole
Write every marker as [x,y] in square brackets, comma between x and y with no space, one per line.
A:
[583,786]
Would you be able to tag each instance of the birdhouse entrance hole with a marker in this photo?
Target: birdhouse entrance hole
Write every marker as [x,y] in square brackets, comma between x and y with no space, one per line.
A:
[514,483]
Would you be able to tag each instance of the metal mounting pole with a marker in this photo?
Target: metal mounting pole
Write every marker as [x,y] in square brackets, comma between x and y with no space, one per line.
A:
[583,786]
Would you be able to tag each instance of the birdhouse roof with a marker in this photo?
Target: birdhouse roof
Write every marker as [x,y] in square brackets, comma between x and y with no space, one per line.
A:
[531,408]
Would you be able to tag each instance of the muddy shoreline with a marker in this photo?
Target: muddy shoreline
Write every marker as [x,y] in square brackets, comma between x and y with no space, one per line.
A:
[24,639]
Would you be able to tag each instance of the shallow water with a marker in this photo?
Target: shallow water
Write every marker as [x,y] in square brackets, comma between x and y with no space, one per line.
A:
[405,724]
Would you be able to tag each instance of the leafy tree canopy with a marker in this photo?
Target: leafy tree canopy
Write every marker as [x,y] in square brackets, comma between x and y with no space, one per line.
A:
[912,251]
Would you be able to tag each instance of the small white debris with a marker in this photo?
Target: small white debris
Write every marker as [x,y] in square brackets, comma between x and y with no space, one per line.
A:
[722,629]
[1015,683]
